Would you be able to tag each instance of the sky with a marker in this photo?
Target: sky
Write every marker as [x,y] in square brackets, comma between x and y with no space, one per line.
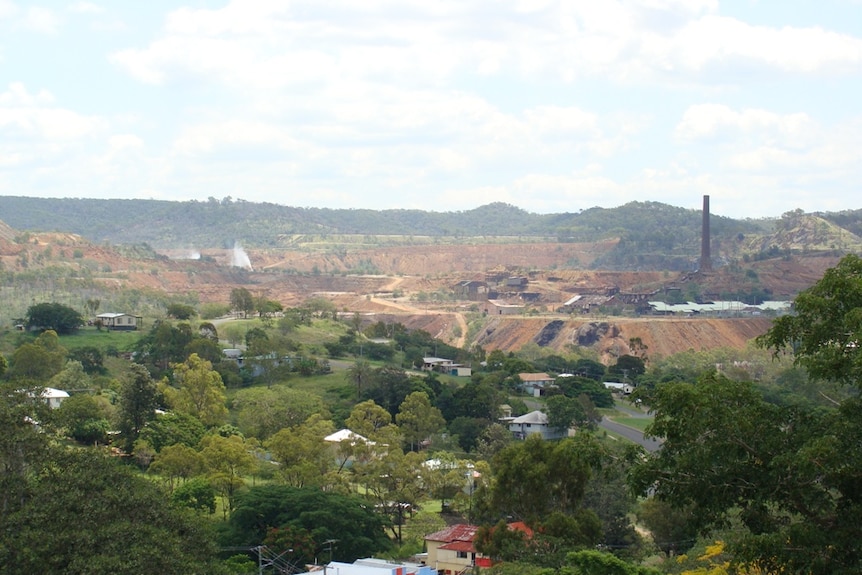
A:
[438,105]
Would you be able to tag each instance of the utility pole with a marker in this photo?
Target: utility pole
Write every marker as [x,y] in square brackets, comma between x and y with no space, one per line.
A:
[328,545]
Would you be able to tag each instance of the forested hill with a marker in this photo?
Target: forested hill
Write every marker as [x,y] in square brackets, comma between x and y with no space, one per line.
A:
[219,223]
[647,235]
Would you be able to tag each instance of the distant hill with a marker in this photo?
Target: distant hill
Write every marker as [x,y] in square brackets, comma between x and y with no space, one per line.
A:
[6,232]
[650,235]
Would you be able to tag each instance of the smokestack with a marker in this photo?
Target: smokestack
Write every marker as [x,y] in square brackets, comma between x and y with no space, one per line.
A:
[705,260]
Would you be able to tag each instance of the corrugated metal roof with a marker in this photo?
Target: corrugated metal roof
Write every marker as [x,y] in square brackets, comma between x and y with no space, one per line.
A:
[457,532]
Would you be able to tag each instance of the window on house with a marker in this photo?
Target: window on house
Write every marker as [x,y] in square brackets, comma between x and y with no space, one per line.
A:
[462,554]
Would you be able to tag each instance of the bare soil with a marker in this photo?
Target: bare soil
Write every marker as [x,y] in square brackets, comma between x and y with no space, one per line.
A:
[405,280]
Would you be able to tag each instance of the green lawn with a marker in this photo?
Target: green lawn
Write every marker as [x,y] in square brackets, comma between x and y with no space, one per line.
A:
[90,336]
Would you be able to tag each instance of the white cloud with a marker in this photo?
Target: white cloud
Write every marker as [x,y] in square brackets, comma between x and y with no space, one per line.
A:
[42,20]
[7,9]
[86,8]
[31,116]
[717,121]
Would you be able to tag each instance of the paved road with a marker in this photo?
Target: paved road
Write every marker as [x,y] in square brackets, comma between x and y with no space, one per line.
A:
[631,434]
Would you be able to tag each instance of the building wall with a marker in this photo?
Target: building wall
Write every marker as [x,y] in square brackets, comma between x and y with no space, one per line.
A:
[446,561]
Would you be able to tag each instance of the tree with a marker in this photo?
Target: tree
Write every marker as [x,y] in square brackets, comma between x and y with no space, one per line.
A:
[393,481]
[241,301]
[137,403]
[360,374]
[54,316]
[177,462]
[197,494]
[91,358]
[85,418]
[825,333]
[261,412]
[266,309]
[302,453]
[535,478]
[325,515]
[787,474]
[173,428]
[565,412]
[227,460]
[123,524]
[672,528]
[21,443]
[418,419]
[372,422]
[181,311]
[40,360]
[201,392]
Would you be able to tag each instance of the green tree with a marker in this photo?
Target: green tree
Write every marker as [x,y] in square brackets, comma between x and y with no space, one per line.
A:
[672,528]
[85,418]
[121,523]
[91,358]
[393,482]
[303,455]
[196,493]
[326,515]
[825,332]
[177,463]
[787,474]
[565,412]
[173,428]
[535,478]
[261,412]
[181,311]
[418,419]
[372,422]
[361,375]
[21,443]
[241,301]
[53,316]
[227,460]
[137,403]
[201,392]
[40,360]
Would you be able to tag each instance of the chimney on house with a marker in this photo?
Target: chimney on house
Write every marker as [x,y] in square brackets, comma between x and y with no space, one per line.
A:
[705,260]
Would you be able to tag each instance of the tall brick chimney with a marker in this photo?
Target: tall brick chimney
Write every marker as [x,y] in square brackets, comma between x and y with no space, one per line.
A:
[705,260]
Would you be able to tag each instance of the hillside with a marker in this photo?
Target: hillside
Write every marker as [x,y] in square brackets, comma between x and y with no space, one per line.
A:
[410,280]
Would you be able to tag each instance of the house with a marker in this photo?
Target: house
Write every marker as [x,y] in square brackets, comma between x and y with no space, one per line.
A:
[436,364]
[344,443]
[53,397]
[500,307]
[519,282]
[584,303]
[535,384]
[533,423]
[120,321]
[372,566]
[446,366]
[471,290]
[450,551]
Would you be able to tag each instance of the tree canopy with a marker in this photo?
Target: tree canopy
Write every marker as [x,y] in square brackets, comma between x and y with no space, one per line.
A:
[56,316]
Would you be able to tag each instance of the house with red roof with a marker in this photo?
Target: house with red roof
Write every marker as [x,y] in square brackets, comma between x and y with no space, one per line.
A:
[450,551]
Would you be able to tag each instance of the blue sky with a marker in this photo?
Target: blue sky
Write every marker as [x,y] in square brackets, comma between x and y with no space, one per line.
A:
[444,105]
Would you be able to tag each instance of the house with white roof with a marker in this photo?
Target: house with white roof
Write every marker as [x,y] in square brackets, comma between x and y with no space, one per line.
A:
[535,422]
[54,397]
[120,321]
